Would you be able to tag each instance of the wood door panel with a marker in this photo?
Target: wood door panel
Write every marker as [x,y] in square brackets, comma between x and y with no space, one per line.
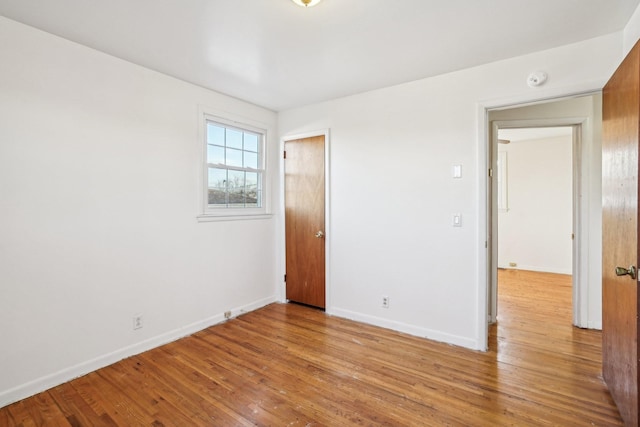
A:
[304,218]
[621,121]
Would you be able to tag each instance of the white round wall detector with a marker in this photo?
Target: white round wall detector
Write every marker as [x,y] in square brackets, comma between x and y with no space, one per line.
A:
[537,78]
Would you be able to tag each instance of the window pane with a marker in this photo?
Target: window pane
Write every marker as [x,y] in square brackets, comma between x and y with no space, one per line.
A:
[217,197]
[215,154]
[215,134]
[234,138]
[217,178]
[251,186]
[217,186]
[236,187]
[234,157]
[251,142]
[250,160]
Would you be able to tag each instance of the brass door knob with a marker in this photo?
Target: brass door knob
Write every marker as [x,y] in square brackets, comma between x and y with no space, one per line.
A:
[631,271]
[320,234]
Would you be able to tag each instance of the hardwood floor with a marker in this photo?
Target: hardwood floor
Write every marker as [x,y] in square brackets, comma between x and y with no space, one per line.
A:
[289,365]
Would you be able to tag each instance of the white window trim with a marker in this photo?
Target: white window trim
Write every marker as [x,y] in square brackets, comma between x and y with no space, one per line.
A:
[206,214]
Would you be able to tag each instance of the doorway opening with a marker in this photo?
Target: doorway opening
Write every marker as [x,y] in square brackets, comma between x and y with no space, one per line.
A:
[583,115]
[535,198]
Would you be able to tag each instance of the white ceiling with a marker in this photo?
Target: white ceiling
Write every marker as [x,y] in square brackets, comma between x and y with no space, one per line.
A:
[528,134]
[279,55]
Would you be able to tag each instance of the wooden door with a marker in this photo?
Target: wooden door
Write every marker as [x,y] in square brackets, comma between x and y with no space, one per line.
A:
[621,121]
[304,219]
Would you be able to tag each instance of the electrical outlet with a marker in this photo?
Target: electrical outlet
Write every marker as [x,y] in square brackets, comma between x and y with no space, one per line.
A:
[385,302]
[227,315]
[137,321]
[513,264]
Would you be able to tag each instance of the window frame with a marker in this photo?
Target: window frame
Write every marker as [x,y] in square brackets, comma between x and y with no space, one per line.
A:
[208,213]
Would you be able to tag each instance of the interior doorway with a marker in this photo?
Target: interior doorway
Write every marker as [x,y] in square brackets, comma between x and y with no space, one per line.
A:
[584,115]
[535,195]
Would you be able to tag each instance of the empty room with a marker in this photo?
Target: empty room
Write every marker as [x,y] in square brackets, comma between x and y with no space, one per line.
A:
[295,212]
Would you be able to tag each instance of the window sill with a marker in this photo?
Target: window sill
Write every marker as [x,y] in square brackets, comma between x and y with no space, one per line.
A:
[232,217]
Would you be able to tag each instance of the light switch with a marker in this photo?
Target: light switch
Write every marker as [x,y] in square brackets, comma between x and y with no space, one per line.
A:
[456,171]
[457,220]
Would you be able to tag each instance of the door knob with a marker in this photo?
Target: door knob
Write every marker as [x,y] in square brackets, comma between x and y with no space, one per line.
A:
[320,234]
[631,271]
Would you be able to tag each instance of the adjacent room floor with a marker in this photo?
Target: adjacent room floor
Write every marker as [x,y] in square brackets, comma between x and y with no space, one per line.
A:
[289,365]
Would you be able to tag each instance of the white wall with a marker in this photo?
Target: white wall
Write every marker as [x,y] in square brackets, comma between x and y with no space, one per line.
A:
[393,197]
[535,231]
[98,204]
[631,32]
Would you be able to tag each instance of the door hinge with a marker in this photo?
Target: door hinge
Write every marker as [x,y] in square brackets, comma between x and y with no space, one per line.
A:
[285,277]
[491,173]
[284,154]
[573,236]
[486,244]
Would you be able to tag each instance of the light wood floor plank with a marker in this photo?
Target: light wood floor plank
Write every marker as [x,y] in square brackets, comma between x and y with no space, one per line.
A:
[292,365]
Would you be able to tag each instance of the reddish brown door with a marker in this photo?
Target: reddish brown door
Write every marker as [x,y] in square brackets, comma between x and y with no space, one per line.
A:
[621,124]
[304,218]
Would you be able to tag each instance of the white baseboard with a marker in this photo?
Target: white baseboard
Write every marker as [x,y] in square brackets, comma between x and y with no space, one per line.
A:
[568,271]
[44,383]
[406,328]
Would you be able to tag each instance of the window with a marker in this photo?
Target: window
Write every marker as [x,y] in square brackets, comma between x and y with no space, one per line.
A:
[234,169]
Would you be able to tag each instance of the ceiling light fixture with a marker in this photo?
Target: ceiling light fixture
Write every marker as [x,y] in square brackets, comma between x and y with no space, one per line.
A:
[306,3]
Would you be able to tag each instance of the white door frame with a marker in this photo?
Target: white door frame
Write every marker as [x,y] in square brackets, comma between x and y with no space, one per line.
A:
[483,213]
[579,252]
[282,287]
